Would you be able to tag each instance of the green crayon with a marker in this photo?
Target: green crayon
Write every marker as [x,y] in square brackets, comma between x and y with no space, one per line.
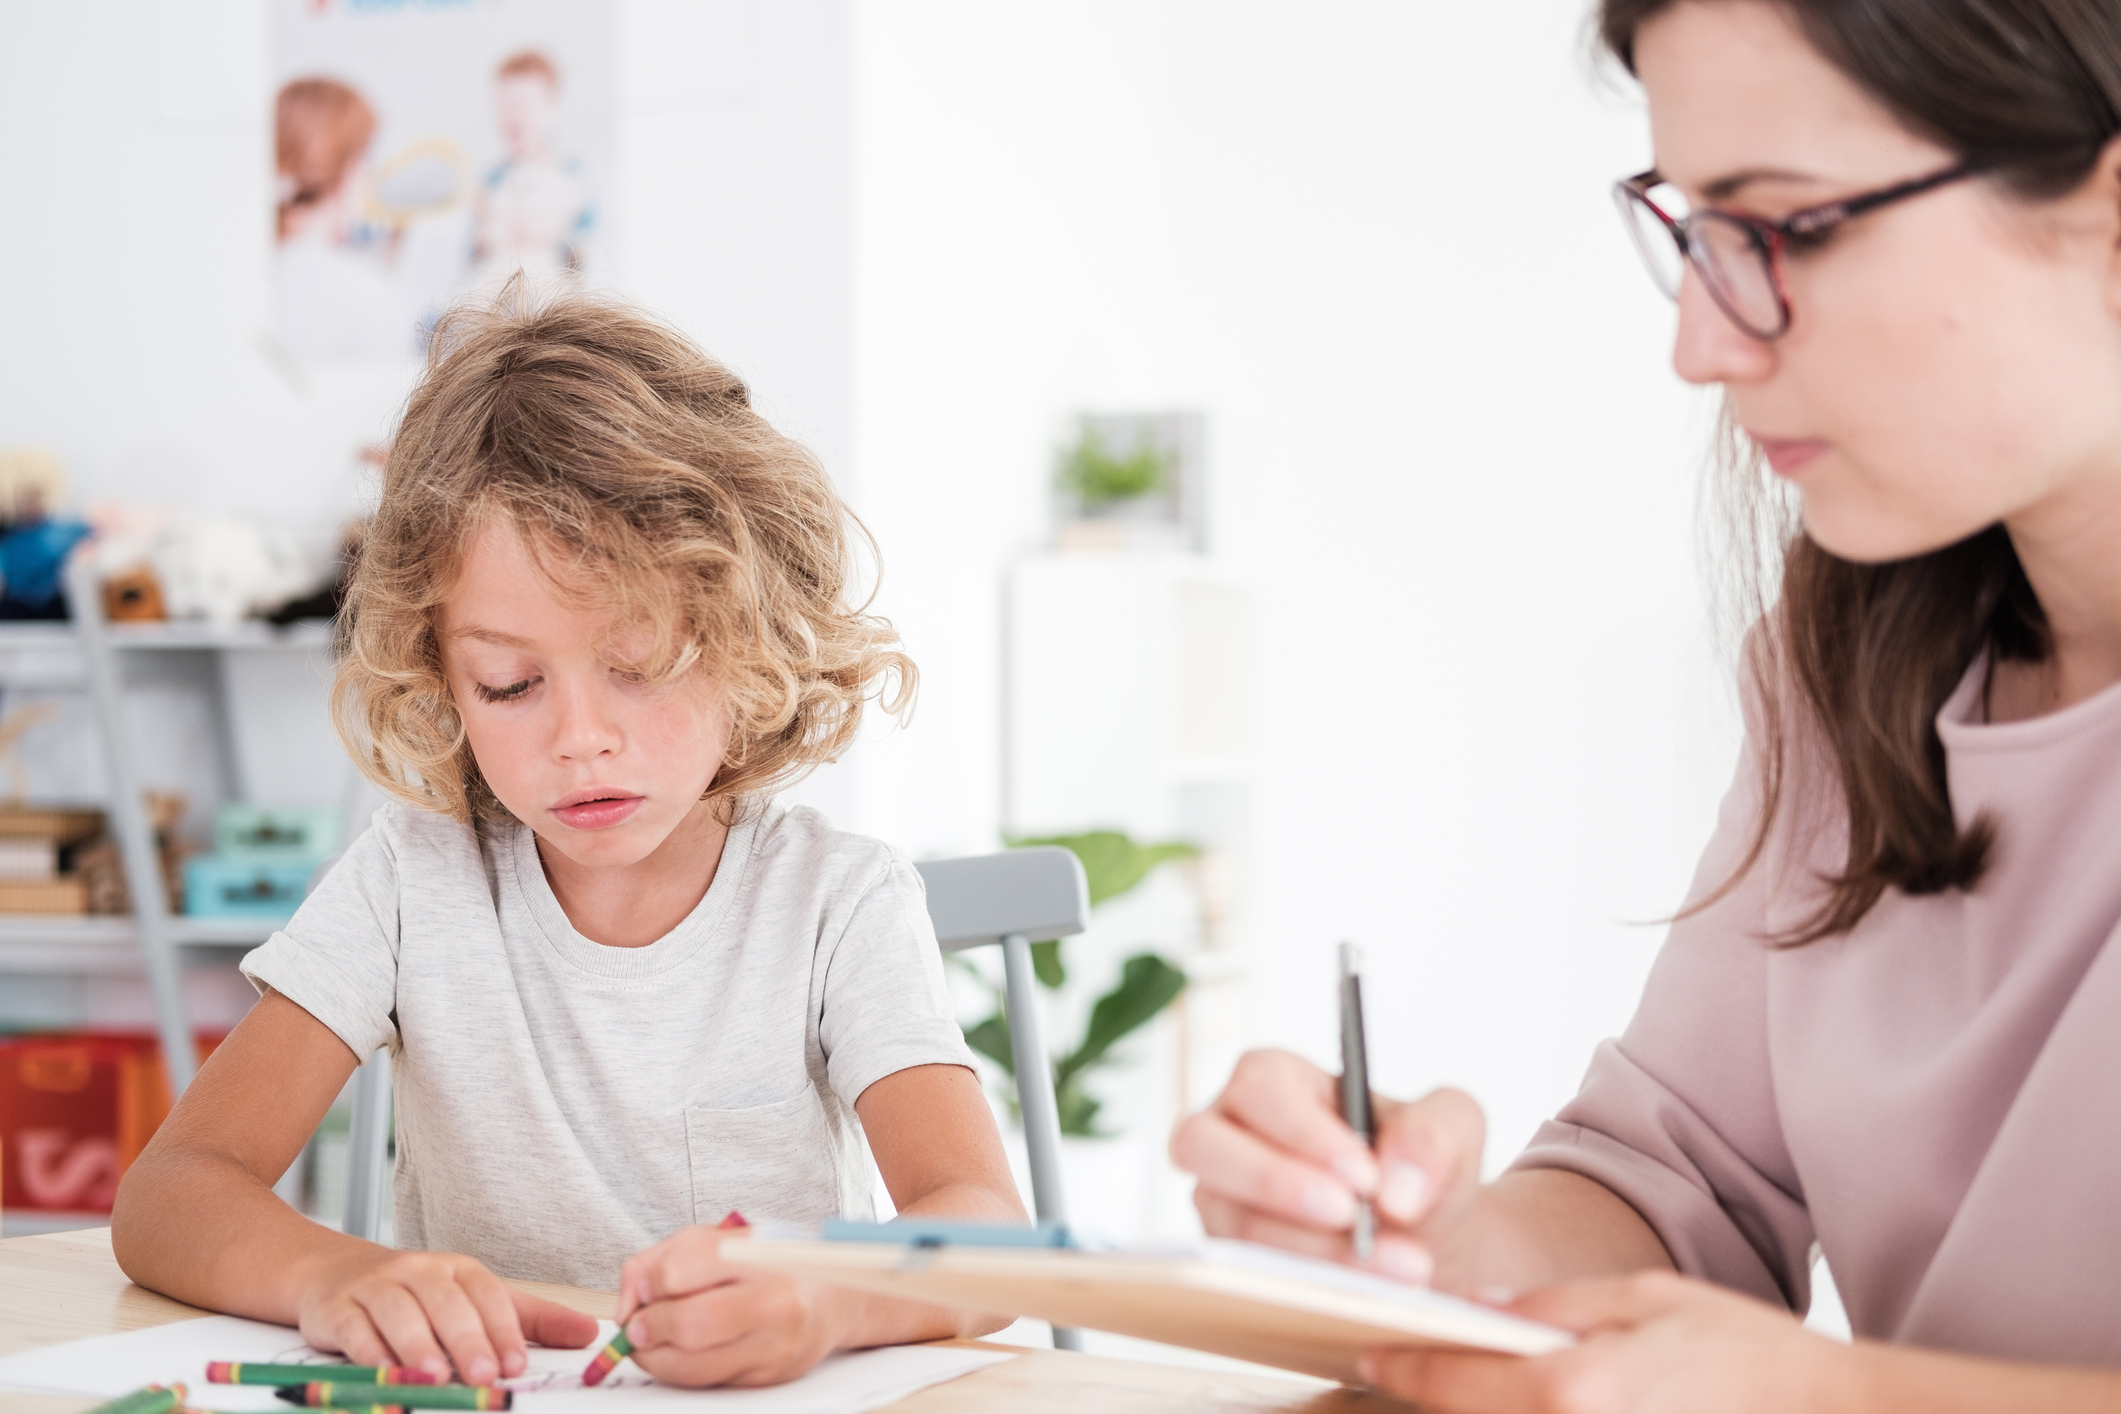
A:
[155,1399]
[323,1394]
[237,1372]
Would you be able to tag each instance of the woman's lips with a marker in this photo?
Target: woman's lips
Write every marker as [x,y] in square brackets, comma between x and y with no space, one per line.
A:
[601,813]
[1788,455]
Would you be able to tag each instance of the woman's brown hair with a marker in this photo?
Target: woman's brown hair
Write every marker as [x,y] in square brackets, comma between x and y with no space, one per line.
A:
[2030,92]
[637,472]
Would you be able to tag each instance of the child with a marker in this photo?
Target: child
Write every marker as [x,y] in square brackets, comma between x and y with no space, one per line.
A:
[534,211]
[601,616]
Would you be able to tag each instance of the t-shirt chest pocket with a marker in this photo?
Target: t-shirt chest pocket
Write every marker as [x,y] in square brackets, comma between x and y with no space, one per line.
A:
[773,1163]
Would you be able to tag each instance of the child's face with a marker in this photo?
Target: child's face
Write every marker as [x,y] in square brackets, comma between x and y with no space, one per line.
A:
[525,105]
[601,765]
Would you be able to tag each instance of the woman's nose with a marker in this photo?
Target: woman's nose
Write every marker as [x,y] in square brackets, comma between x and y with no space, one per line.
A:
[1709,347]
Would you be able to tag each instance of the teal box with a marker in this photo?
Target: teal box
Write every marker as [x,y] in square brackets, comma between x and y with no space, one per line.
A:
[276,832]
[216,886]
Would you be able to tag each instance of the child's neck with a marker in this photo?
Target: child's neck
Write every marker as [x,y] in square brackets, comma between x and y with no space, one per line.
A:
[632,905]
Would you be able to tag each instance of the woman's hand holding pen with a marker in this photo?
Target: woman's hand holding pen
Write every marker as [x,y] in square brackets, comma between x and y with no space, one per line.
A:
[696,1320]
[1277,1165]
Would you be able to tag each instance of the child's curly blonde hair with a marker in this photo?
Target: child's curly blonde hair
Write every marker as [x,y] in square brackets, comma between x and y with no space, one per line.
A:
[634,467]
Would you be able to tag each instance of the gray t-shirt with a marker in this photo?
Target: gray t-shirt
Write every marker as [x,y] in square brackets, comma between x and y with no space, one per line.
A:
[562,1104]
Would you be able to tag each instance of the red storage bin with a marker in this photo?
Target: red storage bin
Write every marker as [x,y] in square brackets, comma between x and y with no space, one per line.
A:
[75,1111]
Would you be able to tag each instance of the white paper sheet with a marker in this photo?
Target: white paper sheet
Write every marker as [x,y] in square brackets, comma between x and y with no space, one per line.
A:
[110,1365]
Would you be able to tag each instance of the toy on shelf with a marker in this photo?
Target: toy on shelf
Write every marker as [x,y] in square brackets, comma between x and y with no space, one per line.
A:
[219,568]
[261,863]
[40,849]
[34,540]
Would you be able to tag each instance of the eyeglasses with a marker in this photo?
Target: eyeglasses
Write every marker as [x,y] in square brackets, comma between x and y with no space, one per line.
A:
[1739,257]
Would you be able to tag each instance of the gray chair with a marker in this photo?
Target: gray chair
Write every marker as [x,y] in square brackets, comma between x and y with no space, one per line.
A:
[1016,898]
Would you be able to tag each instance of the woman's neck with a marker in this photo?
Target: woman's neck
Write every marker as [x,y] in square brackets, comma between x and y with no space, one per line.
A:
[2070,546]
[632,905]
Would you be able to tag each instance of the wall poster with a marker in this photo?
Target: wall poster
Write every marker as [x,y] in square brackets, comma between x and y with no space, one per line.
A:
[425,151]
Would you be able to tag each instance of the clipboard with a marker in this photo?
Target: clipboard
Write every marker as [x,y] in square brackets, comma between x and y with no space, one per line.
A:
[1228,1298]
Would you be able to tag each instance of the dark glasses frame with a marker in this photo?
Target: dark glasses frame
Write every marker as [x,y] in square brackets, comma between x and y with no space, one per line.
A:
[1766,239]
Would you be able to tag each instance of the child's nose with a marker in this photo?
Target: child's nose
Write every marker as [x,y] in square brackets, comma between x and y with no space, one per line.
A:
[585,728]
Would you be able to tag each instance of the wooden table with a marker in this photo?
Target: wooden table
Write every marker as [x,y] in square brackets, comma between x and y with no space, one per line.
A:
[67,1285]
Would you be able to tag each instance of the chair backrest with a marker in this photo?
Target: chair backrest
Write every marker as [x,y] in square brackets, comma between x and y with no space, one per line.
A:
[1040,893]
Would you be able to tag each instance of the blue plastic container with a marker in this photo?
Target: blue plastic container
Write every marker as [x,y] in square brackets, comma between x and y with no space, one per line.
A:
[216,886]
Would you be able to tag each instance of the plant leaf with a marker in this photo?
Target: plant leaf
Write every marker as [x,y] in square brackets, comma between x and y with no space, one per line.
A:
[991,1039]
[1077,1112]
[1147,985]
[1113,863]
[1046,963]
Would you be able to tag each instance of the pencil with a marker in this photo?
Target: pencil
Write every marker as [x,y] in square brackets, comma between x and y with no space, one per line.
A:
[324,1394]
[236,1372]
[155,1399]
[1355,1086]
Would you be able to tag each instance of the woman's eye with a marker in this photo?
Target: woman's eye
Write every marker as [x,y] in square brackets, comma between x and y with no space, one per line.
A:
[503,694]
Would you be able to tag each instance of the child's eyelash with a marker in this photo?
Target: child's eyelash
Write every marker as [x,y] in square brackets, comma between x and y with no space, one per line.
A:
[503,694]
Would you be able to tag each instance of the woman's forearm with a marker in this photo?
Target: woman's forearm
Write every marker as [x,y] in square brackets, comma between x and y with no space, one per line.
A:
[1888,1379]
[1541,1226]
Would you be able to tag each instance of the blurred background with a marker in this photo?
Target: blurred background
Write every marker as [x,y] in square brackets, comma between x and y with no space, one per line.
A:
[1267,429]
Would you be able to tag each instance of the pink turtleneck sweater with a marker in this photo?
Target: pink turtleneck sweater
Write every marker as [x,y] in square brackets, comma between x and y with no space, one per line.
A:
[1934,1098]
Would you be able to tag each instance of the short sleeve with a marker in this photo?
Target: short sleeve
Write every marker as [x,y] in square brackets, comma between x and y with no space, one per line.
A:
[886,1003]
[1678,1116]
[337,958]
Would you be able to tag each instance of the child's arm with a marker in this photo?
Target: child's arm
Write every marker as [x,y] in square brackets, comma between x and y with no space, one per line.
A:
[196,1218]
[695,1321]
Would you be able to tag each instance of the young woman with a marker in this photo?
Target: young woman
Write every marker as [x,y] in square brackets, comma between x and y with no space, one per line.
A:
[1888,1021]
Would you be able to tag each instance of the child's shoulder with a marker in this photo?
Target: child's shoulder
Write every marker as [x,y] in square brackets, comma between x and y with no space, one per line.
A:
[794,845]
[422,840]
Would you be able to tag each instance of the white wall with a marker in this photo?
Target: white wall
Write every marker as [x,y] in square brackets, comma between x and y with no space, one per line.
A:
[1369,239]
[1372,241]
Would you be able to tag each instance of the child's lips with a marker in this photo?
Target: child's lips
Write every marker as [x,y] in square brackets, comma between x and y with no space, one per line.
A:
[600,813]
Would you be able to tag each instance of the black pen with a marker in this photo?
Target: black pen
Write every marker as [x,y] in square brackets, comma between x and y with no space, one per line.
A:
[1355,1085]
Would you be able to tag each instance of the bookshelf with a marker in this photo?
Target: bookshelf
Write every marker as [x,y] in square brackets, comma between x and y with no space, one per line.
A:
[89,656]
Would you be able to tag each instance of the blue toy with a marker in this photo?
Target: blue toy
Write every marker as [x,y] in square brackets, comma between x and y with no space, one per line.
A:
[30,559]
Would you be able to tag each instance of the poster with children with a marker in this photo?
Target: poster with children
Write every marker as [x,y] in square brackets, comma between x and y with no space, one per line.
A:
[425,150]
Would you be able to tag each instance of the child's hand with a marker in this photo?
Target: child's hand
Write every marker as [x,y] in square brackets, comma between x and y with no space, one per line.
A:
[431,1311]
[695,1320]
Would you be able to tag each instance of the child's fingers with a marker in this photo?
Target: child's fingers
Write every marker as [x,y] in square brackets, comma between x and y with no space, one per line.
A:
[349,1331]
[689,1262]
[705,1320]
[757,1357]
[458,1324]
[496,1310]
[401,1320]
[549,1323]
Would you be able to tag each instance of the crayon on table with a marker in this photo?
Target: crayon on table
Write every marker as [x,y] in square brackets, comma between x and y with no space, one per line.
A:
[155,1399]
[237,1372]
[324,1394]
[609,1357]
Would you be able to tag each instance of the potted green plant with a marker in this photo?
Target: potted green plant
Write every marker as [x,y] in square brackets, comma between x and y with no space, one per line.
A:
[1114,864]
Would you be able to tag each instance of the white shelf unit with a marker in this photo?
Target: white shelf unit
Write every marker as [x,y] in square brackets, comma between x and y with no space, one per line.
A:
[92,655]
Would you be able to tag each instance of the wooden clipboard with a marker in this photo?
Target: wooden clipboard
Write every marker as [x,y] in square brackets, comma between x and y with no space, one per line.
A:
[1228,1298]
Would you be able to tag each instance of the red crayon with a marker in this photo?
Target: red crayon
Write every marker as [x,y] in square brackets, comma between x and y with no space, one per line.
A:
[609,1357]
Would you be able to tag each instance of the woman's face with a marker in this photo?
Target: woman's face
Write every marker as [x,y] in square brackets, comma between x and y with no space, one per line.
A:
[1952,360]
